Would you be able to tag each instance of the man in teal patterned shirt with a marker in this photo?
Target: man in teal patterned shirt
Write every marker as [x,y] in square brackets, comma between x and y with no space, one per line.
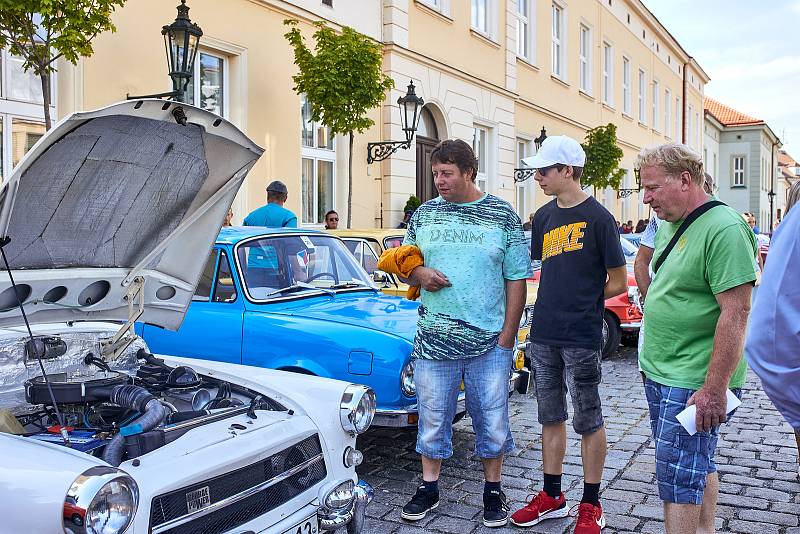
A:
[473,293]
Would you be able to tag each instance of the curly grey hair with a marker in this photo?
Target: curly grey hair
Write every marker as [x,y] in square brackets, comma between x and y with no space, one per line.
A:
[674,158]
[793,196]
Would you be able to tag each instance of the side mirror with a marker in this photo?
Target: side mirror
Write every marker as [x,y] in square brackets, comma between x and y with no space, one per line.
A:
[381,277]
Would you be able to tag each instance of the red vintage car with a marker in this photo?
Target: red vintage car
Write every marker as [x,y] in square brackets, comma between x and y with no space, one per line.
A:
[622,318]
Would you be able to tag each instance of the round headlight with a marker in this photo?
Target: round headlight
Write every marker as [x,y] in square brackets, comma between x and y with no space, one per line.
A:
[102,500]
[341,496]
[357,408]
[407,380]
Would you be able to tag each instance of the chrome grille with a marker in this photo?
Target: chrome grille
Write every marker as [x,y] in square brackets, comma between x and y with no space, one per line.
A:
[237,497]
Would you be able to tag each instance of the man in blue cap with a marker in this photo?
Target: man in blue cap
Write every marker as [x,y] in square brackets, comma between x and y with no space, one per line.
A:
[273,215]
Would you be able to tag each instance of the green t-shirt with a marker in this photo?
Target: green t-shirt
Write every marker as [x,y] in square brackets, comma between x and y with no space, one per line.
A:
[716,253]
[478,246]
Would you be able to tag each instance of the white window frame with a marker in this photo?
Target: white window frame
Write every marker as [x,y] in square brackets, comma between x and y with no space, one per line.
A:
[195,86]
[626,86]
[558,38]
[738,175]
[490,19]
[678,120]
[523,148]
[526,27]
[608,73]
[642,96]
[585,58]
[484,155]
[11,110]
[690,126]
[316,154]
[655,104]
[667,112]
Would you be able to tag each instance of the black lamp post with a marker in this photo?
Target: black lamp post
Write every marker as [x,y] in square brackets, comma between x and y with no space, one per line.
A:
[181,39]
[523,173]
[771,196]
[410,111]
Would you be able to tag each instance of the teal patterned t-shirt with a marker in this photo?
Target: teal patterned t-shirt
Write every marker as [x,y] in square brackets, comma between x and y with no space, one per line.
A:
[477,246]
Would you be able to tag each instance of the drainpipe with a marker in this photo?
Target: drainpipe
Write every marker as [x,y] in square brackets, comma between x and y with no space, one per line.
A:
[683,106]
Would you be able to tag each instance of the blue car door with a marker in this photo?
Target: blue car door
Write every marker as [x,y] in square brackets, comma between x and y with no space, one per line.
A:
[212,328]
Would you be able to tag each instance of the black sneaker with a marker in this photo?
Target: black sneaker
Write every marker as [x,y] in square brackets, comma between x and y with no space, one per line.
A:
[495,509]
[420,504]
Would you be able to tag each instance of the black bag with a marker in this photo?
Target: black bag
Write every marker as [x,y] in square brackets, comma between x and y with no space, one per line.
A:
[684,225]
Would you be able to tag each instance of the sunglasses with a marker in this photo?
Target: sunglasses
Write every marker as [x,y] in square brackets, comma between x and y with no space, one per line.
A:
[545,170]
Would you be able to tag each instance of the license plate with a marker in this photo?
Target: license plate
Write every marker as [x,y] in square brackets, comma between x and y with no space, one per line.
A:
[198,499]
[309,526]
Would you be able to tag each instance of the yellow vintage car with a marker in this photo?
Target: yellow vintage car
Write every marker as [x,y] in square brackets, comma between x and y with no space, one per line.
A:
[368,245]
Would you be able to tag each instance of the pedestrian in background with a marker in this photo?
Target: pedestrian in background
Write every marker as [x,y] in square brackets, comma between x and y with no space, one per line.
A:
[695,317]
[773,340]
[577,240]
[273,214]
[331,220]
[228,219]
[528,225]
[473,292]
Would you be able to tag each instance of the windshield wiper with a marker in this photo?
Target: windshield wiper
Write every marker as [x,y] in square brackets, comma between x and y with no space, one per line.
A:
[298,286]
[351,284]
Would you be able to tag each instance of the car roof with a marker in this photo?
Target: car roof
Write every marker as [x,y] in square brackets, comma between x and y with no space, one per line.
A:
[233,234]
[376,233]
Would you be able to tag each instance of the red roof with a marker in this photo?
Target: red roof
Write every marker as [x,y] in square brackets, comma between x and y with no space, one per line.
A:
[785,160]
[727,116]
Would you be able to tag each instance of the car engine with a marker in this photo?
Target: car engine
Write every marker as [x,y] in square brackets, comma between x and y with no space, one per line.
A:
[116,409]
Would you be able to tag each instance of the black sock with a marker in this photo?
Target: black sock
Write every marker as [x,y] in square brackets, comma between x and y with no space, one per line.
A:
[552,485]
[490,486]
[591,493]
[430,487]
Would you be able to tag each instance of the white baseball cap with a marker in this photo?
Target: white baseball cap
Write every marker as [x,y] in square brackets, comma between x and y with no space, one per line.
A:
[557,149]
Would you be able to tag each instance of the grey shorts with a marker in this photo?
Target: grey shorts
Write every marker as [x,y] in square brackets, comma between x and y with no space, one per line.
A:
[559,369]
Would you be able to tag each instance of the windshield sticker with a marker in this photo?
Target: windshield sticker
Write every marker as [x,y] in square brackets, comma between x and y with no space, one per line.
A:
[307,241]
[303,258]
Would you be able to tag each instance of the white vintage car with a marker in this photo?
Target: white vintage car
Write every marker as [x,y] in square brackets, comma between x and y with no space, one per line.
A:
[107,221]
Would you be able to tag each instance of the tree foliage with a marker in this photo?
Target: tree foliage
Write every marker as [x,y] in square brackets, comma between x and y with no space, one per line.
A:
[412,204]
[603,156]
[42,31]
[342,80]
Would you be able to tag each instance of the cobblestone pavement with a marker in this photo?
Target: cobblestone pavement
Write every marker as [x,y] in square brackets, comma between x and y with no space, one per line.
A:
[756,457]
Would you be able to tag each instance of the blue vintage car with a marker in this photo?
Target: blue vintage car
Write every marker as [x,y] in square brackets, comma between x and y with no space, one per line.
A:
[297,300]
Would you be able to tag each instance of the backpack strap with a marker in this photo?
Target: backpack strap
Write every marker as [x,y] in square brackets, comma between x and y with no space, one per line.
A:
[684,225]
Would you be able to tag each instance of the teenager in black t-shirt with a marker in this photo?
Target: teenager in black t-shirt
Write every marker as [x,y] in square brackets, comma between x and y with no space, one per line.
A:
[582,264]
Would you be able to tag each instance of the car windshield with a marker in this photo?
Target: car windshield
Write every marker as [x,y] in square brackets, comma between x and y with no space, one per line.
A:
[628,248]
[279,266]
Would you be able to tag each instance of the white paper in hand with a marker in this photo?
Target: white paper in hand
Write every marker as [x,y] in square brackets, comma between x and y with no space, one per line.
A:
[687,417]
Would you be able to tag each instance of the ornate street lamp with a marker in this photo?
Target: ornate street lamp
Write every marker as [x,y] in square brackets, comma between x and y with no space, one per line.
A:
[410,111]
[523,173]
[181,39]
[625,193]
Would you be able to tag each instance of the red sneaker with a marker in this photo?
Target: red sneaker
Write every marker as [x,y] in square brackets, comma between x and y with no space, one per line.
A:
[590,519]
[539,508]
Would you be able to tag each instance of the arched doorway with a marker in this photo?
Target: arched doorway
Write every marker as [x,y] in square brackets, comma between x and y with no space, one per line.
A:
[427,139]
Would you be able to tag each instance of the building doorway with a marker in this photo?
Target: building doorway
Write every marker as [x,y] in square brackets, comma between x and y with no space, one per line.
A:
[427,139]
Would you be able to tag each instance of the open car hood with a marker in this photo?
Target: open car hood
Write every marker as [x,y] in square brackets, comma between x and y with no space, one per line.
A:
[113,198]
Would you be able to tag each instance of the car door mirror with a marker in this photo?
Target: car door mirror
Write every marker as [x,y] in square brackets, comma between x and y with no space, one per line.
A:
[381,277]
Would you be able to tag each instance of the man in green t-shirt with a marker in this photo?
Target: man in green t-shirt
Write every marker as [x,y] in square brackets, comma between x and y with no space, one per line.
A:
[695,320]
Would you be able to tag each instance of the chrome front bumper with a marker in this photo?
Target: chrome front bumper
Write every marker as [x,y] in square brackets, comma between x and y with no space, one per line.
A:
[409,416]
[352,516]
[632,326]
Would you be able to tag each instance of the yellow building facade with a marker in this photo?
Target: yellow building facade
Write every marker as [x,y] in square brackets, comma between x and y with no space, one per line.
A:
[491,72]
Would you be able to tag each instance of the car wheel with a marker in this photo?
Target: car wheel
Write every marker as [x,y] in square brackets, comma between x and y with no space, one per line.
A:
[612,334]
[459,417]
[77,520]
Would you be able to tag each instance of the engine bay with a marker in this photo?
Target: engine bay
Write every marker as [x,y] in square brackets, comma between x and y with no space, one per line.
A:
[115,410]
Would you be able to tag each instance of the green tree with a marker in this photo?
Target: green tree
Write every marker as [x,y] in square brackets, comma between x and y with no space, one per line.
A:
[342,80]
[42,31]
[412,204]
[602,158]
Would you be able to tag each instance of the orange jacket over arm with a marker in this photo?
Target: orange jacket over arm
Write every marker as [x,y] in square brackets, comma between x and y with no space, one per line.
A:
[401,261]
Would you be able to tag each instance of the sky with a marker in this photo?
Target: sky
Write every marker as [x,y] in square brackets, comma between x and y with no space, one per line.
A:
[751,51]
